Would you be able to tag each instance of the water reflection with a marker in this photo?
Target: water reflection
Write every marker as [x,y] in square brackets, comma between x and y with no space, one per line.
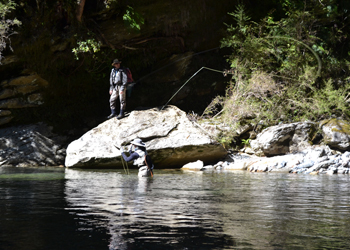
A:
[148,213]
[77,209]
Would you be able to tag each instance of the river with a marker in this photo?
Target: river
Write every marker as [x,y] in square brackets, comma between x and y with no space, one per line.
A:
[57,208]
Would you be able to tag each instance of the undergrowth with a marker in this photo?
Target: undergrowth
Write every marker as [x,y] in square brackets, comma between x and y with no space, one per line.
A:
[287,70]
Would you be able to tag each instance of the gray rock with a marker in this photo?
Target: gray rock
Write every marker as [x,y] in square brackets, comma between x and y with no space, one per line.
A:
[336,133]
[282,139]
[31,145]
[322,159]
[307,164]
[172,140]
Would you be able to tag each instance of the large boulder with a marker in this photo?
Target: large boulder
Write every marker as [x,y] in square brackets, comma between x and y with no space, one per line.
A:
[172,140]
[284,138]
[336,133]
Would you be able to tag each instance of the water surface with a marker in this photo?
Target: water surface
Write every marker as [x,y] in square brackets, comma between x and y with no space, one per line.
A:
[52,208]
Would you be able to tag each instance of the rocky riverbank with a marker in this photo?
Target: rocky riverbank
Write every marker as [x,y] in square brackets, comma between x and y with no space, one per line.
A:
[289,148]
[314,160]
[174,141]
[31,145]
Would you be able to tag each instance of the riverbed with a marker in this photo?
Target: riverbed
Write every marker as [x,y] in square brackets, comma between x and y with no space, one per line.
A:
[57,208]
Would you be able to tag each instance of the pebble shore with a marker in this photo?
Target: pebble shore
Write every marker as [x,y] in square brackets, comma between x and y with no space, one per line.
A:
[314,160]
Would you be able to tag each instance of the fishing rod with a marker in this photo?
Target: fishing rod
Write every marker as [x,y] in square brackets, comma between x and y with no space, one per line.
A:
[126,169]
[215,70]
[125,163]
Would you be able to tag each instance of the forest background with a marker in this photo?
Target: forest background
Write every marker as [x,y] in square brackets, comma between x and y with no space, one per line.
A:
[285,60]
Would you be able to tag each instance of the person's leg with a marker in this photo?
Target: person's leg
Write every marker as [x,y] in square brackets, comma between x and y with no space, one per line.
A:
[122,98]
[112,103]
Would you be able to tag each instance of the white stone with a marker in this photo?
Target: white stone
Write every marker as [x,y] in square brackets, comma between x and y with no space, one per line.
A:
[171,140]
[198,165]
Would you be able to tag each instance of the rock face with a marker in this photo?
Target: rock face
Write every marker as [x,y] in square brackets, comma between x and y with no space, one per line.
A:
[19,93]
[171,140]
[31,145]
[336,133]
[282,139]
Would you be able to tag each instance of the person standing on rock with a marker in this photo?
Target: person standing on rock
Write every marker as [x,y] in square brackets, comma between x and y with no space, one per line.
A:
[138,154]
[117,89]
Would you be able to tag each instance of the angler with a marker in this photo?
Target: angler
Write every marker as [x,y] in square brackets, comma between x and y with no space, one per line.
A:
[117,89]
[138,154]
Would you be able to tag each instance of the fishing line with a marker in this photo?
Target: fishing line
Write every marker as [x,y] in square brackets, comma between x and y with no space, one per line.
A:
[127,166]
[126,169]
[123,164]
[215,70]
[122,158]
[226,72]
[175,62]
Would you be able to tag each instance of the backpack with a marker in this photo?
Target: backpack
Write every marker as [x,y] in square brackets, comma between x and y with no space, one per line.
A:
[129,75]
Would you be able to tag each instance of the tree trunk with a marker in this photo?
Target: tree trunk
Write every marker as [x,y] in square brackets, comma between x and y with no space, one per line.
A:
[80,10]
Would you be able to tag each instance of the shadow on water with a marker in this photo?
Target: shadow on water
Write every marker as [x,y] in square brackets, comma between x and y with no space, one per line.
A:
[43,208]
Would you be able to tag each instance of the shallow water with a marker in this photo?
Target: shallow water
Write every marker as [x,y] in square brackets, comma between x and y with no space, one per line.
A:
[52,208]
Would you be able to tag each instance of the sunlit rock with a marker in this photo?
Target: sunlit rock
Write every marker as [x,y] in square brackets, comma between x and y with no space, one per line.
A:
[197,165]
[282,139]
[172,140]
[336,133]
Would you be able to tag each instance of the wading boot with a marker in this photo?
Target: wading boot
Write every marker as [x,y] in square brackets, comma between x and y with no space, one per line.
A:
[113,114]
[121,115]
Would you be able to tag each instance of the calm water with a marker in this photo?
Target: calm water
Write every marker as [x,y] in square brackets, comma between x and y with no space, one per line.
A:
[90,209]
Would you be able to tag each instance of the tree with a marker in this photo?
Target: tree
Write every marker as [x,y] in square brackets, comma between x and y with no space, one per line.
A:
[80,10]
[6,25]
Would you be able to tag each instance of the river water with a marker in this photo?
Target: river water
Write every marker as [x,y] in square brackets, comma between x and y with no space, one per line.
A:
[54,208]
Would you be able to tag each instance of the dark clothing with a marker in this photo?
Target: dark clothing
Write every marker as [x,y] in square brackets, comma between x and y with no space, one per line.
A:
[118,78]
[117,84]
[131,157]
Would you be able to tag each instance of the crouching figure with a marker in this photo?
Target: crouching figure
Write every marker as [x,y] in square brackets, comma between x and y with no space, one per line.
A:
[138,154]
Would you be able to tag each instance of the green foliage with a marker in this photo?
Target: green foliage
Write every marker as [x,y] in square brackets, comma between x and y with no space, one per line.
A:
[88,46]
[331,100]
[289,69]
[246,142]
[108,3]
[133,19]
[6,25]
[225,139]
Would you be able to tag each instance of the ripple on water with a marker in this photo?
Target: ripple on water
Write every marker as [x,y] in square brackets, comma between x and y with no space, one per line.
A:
[173,210]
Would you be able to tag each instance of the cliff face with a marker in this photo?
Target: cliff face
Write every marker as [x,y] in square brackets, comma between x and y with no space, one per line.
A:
[176,40]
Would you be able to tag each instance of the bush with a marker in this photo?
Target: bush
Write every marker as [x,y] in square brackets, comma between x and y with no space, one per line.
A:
[278,65]
[6,25]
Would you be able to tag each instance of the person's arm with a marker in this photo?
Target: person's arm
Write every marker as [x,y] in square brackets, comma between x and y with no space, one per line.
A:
[124,79]
[131,157]
[111,86]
